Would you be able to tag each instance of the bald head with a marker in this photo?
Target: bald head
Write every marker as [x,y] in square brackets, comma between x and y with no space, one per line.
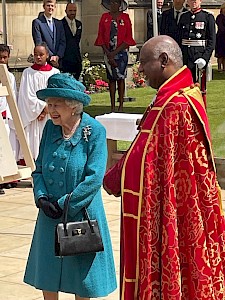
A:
[160,58]
[71,10]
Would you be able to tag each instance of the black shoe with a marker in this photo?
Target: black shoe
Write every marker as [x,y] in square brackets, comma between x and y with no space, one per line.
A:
[2,192]
[13,184]
[7,185]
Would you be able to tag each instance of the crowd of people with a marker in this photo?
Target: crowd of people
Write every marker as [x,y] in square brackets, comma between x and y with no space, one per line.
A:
[172,225]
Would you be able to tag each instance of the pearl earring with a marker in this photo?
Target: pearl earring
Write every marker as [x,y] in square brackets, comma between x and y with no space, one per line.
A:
[73,114]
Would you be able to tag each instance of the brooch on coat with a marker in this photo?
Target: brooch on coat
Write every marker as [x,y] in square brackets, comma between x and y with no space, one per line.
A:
[122,22]
[86,132]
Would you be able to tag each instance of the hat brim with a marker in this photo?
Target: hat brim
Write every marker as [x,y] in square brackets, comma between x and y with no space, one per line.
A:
[64,93]
[106,4]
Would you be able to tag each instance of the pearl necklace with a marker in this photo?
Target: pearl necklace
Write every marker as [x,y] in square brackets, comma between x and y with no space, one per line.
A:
[68,136]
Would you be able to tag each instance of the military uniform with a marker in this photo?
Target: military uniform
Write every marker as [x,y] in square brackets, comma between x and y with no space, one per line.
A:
[197,37]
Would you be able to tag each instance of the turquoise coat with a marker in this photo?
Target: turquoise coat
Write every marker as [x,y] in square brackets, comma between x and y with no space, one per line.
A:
[64,166]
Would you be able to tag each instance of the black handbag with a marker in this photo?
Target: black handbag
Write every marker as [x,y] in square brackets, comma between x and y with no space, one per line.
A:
[74,238]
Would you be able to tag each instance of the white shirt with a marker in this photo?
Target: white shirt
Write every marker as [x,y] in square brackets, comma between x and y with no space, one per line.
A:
[72,25]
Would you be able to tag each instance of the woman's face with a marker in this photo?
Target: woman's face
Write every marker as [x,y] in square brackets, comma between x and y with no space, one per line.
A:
[60,112]
[115,5]
[40,55]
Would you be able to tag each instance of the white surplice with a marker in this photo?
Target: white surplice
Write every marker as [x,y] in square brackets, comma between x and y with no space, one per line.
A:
[8,121]
[30,106]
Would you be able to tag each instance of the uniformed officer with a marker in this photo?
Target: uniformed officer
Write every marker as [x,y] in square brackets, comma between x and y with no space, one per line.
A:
[197,37]
[170,18]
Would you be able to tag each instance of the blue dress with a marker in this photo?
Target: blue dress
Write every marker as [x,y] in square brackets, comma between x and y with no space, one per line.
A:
[64,166]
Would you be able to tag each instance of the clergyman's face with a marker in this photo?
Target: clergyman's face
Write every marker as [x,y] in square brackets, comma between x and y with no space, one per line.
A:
[151,68]
[71,11]
[4,57]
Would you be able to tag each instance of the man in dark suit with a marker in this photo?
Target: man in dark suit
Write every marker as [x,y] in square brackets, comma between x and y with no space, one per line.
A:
[150,19]
[50,30]
[170,19]
[72,61]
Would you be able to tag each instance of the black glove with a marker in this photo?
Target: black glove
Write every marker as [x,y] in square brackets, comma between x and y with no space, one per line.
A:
[51,210]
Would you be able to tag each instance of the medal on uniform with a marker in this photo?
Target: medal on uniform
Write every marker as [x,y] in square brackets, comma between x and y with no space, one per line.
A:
[199,25]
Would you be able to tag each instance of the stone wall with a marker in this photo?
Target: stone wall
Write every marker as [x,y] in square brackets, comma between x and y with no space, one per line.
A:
[19,24]
[21,13]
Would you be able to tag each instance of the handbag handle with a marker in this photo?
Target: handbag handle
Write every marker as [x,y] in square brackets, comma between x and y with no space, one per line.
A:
[65,214]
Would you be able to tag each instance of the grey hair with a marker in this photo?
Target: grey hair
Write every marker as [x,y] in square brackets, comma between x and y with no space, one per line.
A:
[171,49]
[74,103]
[71,103]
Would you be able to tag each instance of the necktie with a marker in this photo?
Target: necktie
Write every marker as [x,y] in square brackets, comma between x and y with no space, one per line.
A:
[72,27]
[50,24]
[177,15]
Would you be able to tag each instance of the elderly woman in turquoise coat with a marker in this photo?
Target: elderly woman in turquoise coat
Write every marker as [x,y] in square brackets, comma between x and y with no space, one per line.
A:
[72,159]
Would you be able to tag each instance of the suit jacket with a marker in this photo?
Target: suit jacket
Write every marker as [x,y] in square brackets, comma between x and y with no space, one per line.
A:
[72,52]
[169,25]
[55,40]
[150,23]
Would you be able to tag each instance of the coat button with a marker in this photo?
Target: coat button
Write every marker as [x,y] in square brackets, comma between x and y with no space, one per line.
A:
[50,181]
[68,144]
[54,154]
[61,170]
[50,196]
[61,183]
[51,168]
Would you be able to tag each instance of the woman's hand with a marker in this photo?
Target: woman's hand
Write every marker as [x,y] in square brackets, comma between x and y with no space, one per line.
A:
[113,63]
[50,209]
[111,55]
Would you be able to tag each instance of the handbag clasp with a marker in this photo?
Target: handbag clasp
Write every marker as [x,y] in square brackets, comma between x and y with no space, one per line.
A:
[78,231]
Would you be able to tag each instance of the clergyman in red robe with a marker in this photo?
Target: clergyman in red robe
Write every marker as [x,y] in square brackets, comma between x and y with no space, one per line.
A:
[173,229]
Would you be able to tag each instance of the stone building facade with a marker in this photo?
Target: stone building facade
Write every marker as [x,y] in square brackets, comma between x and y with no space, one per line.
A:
[20,13]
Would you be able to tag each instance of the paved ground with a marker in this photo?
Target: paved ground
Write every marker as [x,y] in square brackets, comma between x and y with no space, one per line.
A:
[17,218]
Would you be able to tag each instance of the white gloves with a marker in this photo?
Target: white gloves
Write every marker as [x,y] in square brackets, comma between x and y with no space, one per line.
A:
[200,62]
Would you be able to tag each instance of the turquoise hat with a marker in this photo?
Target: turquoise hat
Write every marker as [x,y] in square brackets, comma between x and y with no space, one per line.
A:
[64,85]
